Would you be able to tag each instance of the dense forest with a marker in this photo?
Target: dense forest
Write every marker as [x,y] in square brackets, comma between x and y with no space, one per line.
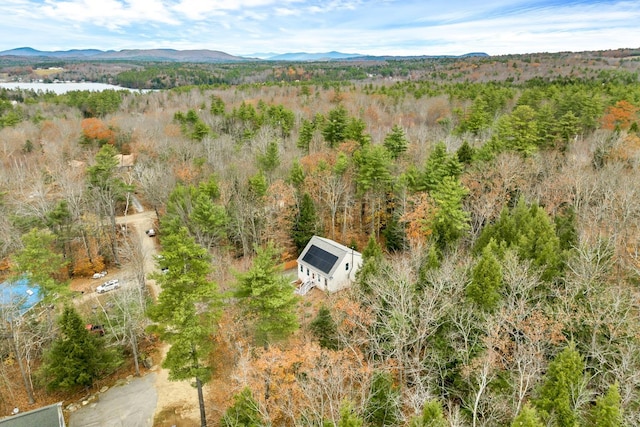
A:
[493,199]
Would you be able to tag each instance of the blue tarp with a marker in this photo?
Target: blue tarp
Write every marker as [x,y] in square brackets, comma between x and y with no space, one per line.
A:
[20,292]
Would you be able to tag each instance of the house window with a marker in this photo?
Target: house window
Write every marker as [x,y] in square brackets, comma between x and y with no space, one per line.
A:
[301,269]
[313,275]
[307,271]
[346,267]
[325,282]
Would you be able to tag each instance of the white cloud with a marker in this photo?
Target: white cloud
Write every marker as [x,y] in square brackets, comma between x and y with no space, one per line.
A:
[111,14]
[401,27]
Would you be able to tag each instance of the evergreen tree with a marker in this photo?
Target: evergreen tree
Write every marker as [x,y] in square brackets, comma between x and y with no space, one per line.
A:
[186,310]
[374,169]
[528,417]
[431,416]
[396,142]
[196,209]
[607,411]
[38,262]
[519,131]
[451,220]
[372,259]
[244,412]
[258,185]
[107,189]
[486,280]
[382,407]
[217,106]
[325,329]
[394,236]
[355,131]
[529,231]
[270,159]
[305,137]
[465,153]
[305,223]
[374,179]
[558,393]
[439,165]
[296,175]
[335,127]
[267,297]
[348,416]
[77,357]
[566,228]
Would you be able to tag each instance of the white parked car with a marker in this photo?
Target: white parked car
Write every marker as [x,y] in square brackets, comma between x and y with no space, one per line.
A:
[108,286]
[151,232]
[99,275]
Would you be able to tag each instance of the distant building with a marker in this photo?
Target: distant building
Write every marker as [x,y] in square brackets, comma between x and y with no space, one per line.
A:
[125,161]
[327,265]
[47,416]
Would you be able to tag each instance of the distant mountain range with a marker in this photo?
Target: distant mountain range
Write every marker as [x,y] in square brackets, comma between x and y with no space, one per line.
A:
[200,55]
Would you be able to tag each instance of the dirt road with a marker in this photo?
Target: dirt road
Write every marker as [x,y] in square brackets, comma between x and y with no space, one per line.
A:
[137,403]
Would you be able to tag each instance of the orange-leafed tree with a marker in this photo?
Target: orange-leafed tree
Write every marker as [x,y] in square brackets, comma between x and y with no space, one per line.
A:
[95,130]
[621,116]
[304,381]
[419,217]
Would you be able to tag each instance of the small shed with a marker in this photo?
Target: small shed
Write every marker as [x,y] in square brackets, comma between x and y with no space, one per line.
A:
[327,265]
[47,416]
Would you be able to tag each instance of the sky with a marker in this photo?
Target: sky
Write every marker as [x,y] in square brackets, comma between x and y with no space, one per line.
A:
[372,27]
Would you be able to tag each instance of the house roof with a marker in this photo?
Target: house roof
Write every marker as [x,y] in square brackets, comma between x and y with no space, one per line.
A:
[47,416]
[125,160]
[324,255]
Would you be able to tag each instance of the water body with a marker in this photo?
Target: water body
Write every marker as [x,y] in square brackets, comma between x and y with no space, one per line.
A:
[60,88]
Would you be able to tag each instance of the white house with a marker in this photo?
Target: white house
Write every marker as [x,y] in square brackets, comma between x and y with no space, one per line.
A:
[327,265]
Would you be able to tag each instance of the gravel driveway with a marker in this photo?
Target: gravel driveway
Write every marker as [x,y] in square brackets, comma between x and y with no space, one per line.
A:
[129,405]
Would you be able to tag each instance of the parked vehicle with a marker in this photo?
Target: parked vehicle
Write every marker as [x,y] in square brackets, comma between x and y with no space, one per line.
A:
[99,275]
[151,232]
[108,286]
[95,329]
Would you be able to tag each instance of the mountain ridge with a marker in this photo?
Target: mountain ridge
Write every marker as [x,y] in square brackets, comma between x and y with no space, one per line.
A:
[204,55]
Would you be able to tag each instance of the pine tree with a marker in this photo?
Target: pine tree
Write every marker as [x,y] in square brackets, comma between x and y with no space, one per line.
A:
[528,417]
[371,262]
[355,131]
[348,416]
[77,357]
[267,297]
[486,280]
[431,416]
[451,220]
[558,393]
[296,175]
[217,106]
[382,408]
[186,310]
[396,142]
[244,412]
[465,153]
[519,131]
[270,159]
[325,329]
[305,223]
[38,262]
[335,127]
[439,165]
[607,411]
[530,232]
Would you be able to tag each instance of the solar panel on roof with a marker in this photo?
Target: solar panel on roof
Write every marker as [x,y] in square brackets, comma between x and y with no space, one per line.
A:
[320,259]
